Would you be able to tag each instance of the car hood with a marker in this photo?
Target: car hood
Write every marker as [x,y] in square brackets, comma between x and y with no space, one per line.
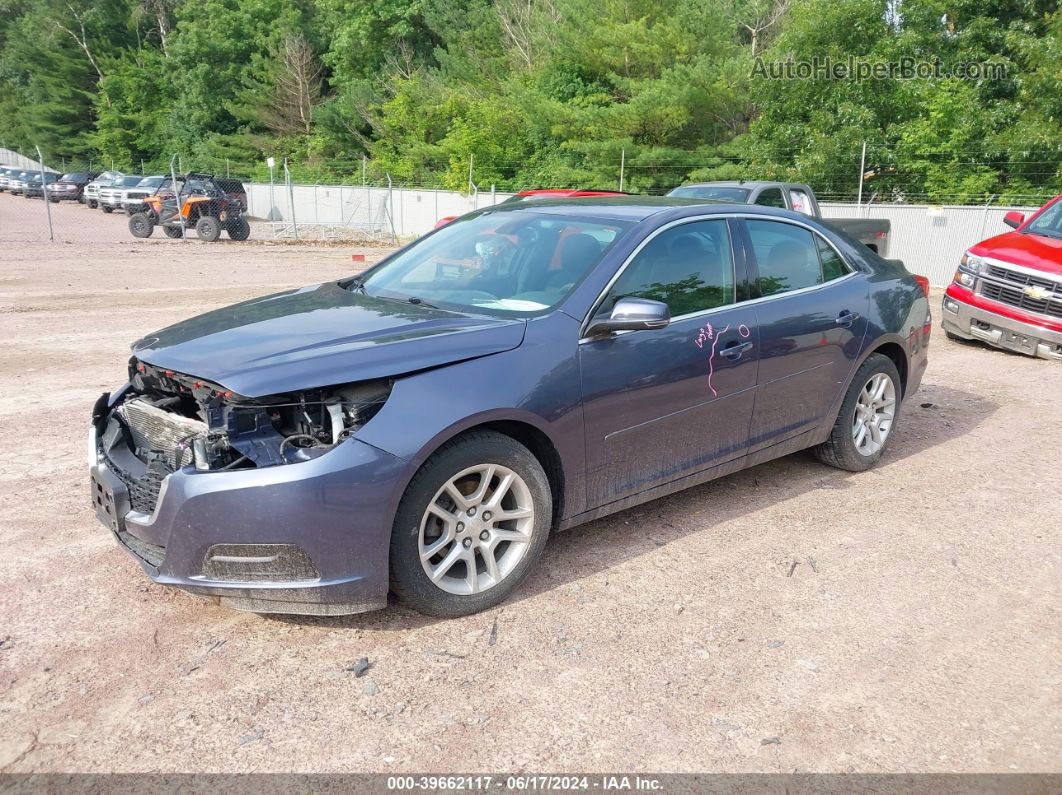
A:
[318,336]
[1030,250]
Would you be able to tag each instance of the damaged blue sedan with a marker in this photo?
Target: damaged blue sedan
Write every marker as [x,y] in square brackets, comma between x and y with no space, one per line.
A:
[421,428]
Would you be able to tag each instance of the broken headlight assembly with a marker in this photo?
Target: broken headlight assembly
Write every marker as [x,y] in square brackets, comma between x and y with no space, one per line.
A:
[177,420]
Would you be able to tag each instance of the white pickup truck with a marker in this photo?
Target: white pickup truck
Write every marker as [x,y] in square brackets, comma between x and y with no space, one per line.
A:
[872,232]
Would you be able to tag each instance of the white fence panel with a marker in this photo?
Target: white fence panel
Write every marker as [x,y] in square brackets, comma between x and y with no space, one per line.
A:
[930,240]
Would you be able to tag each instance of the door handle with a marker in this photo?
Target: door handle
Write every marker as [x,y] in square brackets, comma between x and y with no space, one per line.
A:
[734,351]
[846,318]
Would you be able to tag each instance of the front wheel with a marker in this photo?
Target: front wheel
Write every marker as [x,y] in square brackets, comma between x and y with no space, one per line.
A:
[93,204]
[173,232]
[867,417]
[141,226]
[470,526]
[106,208]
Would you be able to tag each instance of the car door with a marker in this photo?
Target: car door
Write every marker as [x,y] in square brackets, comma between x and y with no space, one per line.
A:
[812,310]
[663,403]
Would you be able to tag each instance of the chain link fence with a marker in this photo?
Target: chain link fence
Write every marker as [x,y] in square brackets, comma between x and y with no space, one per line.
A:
[350,204]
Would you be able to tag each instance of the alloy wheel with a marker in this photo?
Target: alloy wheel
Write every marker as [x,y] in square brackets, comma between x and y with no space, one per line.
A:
[476,529]
[874,413]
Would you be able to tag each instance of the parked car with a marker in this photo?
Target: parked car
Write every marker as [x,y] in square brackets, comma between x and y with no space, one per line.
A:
[1008,289]
[6,173]
[135,200]
[529,367]
[113,195]
[873,232]
[34,185]
[17,181]
[70,187]
[234,189]
[204,207]
[92,190]
[541,194]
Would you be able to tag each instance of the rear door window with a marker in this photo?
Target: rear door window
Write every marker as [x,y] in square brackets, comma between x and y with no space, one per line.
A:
[791,257]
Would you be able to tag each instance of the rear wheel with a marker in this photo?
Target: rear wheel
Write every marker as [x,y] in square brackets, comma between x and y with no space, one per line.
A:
[238,228]
[141,225]
[470,526]
[208,228]
[172,232]
[867,417]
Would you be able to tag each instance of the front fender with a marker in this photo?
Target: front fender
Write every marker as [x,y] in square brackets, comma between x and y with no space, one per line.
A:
[536,383]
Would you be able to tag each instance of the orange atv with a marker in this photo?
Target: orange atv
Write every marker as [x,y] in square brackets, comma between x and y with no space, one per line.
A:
[203,207]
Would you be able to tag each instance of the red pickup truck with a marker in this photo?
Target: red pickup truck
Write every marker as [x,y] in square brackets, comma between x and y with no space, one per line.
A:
[1008,289]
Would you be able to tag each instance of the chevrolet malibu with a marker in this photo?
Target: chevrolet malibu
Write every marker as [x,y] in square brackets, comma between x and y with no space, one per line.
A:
[421,428]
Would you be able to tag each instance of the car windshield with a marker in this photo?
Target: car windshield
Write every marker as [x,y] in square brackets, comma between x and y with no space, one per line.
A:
[713,192]
[1048,223]
[75,177]
[501,262]
[150,182]
[127,182]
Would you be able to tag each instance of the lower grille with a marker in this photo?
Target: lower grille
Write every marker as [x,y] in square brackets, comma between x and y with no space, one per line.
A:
[143,490]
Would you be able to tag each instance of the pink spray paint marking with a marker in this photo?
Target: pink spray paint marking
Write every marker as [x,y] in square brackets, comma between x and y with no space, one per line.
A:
[706,333]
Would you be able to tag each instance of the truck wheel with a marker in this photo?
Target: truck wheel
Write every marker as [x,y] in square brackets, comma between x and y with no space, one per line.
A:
[238,228]
[106,208]
[208,228]
[172,232]
[470,526]
[867,417]
[141,226]
[93,204]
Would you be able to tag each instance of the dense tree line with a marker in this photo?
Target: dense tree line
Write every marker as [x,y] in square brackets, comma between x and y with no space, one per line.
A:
[523,93]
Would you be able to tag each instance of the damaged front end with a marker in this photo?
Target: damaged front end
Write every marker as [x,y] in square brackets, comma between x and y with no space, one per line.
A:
[165,421]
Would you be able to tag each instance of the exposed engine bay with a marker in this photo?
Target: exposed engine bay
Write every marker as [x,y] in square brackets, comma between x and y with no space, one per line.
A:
[174,420]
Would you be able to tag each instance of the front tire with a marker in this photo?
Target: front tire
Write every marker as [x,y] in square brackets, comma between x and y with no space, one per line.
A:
[471,525]
[173,232]
[867,417]
[93,204]
[106,208]
[141,226]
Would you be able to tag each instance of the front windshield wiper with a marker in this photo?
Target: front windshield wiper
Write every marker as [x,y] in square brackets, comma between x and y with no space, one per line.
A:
[418,302]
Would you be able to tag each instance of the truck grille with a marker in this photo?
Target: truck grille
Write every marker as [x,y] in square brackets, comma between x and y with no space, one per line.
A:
[1010,289]
[160,431]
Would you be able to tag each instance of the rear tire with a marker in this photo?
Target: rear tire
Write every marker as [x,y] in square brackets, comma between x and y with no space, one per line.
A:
[208,228]
[141,225]
[172,232]
[862,413]
[238,229]
[500,551]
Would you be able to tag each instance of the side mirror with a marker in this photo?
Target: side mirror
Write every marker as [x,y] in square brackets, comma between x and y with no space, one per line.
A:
[632,314]
[1014,219]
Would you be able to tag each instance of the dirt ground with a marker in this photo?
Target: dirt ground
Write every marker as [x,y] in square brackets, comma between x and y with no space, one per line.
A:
[787,618]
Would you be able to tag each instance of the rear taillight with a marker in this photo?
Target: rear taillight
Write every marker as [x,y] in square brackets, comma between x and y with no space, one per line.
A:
[923,282]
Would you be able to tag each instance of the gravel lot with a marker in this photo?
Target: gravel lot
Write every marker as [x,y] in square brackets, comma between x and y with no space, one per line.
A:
[790,617]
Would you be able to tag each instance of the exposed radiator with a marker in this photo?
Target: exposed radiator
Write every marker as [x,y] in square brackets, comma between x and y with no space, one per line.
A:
[159,430]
